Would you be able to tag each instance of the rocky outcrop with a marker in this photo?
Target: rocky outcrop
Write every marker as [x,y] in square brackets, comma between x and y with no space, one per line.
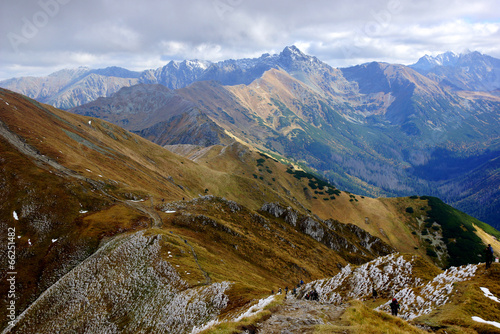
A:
[125,287]
[384,274]
[352,242]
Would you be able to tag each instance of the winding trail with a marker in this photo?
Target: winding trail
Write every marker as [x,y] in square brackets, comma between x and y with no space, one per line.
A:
[300,316]
[44,162]
[208,280]
[156,220]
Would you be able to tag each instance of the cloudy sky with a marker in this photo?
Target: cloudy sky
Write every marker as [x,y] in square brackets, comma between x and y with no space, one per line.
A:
[41,36]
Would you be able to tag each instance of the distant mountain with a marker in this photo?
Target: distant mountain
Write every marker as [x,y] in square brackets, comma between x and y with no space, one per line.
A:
[468,71]
[157,113]
[68,88]
[176,74]
[377,129]
[117,72]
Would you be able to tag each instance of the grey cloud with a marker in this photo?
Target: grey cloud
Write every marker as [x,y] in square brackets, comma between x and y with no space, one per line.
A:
[112,32]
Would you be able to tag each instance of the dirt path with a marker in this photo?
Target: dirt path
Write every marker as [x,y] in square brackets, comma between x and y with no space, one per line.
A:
[156,220]
[300,316]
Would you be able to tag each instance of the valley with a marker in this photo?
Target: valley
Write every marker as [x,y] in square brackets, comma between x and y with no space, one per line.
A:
[181,199]
[375,129]
[115,233]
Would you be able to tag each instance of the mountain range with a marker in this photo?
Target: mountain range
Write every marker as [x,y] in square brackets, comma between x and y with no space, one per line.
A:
[375,129]
[113,233]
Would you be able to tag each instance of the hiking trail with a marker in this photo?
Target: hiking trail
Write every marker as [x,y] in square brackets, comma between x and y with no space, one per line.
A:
[299,316]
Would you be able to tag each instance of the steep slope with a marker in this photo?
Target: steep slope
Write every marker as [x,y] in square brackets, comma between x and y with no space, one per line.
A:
[111,232]
[282,115]
[384,140]
[158,114]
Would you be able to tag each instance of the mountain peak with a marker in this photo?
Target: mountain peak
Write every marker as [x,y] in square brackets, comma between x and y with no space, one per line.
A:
[427,62]
[293,52]
[449,58]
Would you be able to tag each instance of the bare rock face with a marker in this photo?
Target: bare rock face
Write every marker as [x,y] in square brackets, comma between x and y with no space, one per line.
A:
[353,243]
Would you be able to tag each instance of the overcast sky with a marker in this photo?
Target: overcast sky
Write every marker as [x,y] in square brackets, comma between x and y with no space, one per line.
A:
[42,36]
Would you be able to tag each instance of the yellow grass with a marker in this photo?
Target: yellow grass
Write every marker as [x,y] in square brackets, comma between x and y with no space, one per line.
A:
[360,319]
[232,327]
[488,239]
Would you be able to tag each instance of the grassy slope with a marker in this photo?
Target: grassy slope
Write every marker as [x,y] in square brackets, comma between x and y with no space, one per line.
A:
[386,218]
[124,167]
[359,318]
[381,217]
[120,167]
[468,301]
[459,232]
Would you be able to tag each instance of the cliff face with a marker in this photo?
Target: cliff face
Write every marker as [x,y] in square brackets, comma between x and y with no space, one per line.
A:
[350,241]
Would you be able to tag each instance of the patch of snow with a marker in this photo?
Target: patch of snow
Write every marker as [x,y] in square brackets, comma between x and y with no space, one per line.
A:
[14,214]
[488,294]
[255,308]
[29,242]
[54,240]
[83,211]
[169,211]
[153,294]
[90,122]
[209,324]
[88,170]
[7,103]
[493,323]
[137,200]
[99,175]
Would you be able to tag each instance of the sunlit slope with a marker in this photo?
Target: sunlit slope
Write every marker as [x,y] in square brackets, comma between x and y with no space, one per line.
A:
[231,225]
[72,183]
[419,225]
